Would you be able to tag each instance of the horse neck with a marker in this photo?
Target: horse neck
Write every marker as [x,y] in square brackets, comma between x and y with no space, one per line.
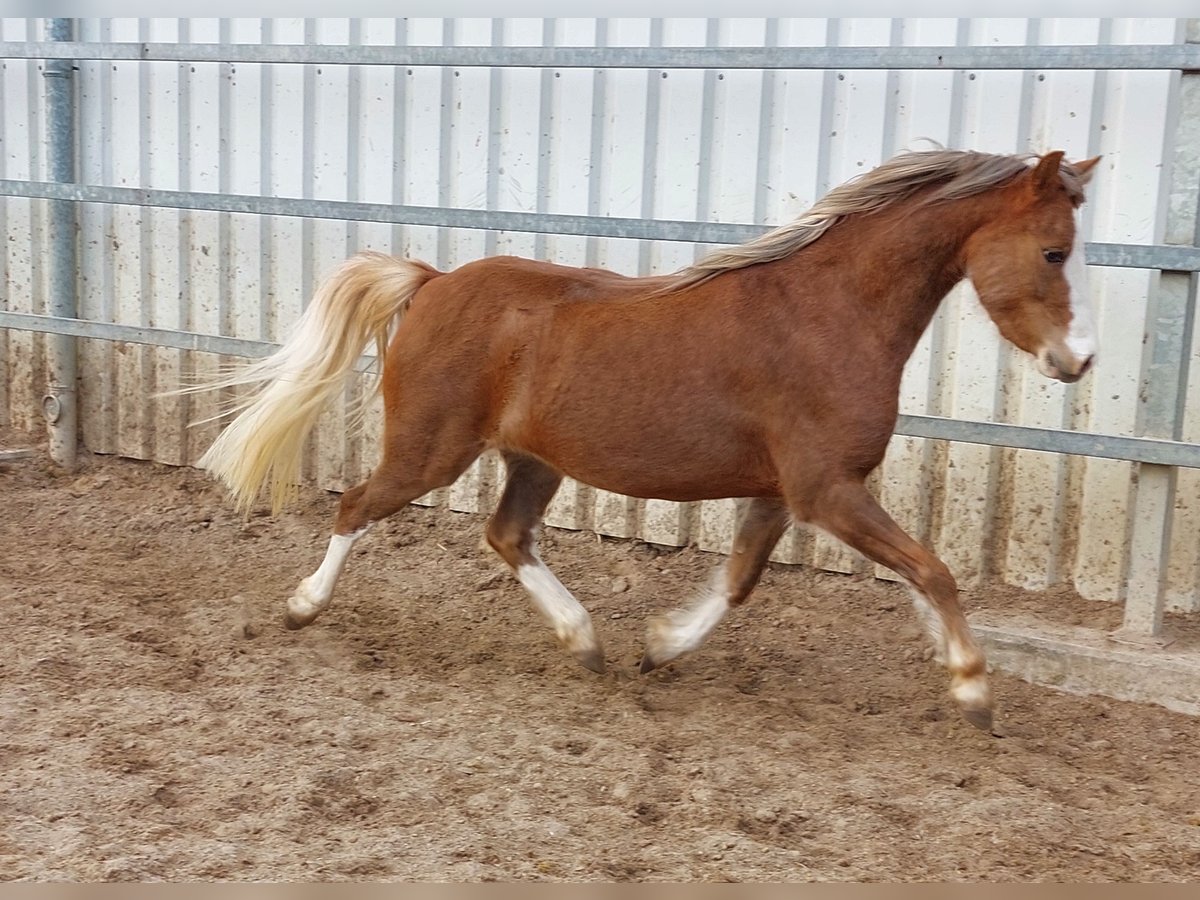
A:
[905,260]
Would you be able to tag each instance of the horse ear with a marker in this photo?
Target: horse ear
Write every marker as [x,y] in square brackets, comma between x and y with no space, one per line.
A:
[1083,169]
[1046,173]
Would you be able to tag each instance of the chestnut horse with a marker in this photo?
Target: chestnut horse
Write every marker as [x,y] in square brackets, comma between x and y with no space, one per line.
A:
[769,371]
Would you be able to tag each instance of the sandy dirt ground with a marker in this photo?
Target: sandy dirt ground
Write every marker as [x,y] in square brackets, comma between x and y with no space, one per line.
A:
[157,721]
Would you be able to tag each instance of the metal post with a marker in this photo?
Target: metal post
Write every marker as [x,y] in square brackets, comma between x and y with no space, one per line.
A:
[1171,326]
[60,404]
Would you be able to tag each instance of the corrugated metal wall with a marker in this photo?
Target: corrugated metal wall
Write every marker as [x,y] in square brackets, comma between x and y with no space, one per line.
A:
[23,225]
[735,146]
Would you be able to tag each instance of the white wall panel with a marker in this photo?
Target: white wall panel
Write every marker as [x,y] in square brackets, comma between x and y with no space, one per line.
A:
[1121,209]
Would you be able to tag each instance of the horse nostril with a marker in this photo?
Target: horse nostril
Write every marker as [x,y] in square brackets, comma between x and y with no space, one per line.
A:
[1087,365]
[1053,362]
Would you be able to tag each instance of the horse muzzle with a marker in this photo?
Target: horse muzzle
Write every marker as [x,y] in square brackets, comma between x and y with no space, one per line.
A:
[1062,365]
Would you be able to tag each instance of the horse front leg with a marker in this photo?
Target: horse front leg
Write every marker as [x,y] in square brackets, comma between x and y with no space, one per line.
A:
[848,511]
[682,630]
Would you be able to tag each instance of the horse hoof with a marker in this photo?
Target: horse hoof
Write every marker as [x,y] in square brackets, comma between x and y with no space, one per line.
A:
[648,664]
[980,718]
[591,659]
[293,622]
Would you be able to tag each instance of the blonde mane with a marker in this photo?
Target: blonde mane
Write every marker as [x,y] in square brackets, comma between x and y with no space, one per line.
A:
[960,173]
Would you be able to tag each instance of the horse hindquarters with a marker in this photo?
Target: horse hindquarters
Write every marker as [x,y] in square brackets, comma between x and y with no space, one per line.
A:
[436,406]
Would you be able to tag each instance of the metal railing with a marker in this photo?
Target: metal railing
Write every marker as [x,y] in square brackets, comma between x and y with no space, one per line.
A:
[1183,57]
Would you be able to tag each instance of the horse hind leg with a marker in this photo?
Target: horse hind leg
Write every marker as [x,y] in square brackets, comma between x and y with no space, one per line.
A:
[684,630]
[402,477]
[512,533]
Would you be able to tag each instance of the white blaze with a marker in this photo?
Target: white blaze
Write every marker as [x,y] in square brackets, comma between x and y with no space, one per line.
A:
[1081,336]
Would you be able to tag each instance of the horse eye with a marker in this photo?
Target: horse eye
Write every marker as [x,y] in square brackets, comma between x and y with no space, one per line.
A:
[1054,256]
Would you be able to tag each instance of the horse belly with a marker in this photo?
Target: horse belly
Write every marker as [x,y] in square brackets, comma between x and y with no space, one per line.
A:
[655,457]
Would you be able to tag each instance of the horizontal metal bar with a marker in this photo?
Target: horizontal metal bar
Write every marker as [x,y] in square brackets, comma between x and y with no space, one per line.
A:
[432,216]
[1021,437]
[1151,256]
[155,337]
[137,334]
[1165,257]
[1133,56]
[1075,443]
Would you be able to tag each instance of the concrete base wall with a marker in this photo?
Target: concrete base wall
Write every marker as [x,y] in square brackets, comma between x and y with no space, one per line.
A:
[1088,661]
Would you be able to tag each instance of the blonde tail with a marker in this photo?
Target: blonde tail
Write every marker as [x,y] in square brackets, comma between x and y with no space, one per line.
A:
[361,302]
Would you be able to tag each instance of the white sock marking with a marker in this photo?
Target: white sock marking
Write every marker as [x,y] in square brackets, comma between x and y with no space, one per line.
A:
[973,692]
[683,630]
[932,620]
[969,691]
[566,615]
[956,659]
[315,591]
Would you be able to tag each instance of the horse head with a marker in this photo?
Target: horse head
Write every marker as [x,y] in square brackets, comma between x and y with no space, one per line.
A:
[1028,268]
